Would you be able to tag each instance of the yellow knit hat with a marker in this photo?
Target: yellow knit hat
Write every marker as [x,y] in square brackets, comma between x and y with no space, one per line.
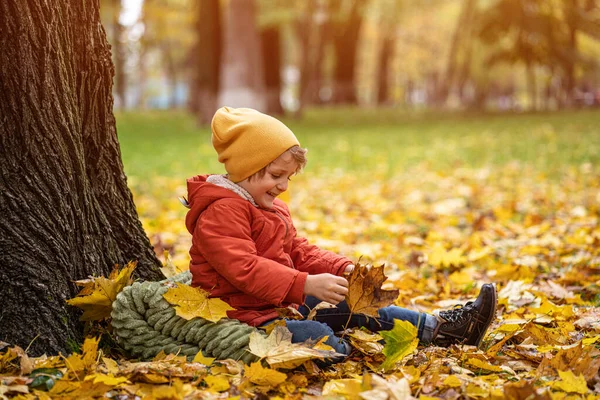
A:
[247,140]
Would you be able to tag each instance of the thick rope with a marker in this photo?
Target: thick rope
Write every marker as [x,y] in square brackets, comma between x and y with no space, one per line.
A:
[145,323]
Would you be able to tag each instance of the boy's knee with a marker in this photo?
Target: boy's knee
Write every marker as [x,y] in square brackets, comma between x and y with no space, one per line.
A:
[314,330]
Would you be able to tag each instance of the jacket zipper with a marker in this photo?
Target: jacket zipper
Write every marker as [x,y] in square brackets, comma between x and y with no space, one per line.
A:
[285,223]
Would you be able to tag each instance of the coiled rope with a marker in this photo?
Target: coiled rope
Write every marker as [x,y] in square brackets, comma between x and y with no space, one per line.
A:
[145,323]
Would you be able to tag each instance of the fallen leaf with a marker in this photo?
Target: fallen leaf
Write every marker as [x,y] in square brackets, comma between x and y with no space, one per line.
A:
[218,383]
[400,341]
[259,375]
[193,302]
[279,352]
[98,294]
[570,383]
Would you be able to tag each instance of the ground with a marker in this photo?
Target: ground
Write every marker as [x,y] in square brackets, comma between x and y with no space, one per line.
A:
[447,202]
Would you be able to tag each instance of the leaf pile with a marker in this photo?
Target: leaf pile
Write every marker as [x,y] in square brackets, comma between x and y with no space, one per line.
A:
[441,234]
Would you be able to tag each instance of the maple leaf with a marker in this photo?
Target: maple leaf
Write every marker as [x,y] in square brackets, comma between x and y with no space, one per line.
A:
[98,294]
[365,295]
[279,351]
[570,383]
[192,302]
[400,341]
[259,375]
[84,362]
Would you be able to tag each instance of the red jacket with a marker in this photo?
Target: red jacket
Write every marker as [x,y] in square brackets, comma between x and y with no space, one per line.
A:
[250,257]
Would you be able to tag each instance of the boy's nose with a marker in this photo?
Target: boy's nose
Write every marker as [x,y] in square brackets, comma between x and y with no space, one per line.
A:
[282,187]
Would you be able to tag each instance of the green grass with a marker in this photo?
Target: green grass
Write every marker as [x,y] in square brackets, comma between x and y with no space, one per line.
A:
[389,140]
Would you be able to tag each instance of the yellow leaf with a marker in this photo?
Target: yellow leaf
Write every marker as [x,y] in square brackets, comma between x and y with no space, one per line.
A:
[438,256]
[111,365]
[279,351]
[86,360]
[199,358]
[570,383]
[194,302]
[259,375]
[108,380]
[400,341]
[483,365]
[349,388]
[96,297]
[365,295]
[218,383]
[367,343]
[452,381]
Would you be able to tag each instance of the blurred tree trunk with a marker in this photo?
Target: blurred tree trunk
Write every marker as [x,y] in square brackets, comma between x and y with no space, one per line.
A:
[271,51]
[171,70]
[242,78]
[142,74]
[65,210]
[323,37]
[207,61]
[304,29]
[531,85]
[119,55]
[570,9]
[345,44]
[386,54]
[460,44]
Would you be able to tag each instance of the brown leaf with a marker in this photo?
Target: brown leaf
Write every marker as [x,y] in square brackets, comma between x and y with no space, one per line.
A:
[365,295]
[579,360]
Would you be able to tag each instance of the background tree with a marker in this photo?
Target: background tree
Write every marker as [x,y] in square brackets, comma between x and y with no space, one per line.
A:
[116,31]
[206,61]
[242,76]
[65,209]
[348,22]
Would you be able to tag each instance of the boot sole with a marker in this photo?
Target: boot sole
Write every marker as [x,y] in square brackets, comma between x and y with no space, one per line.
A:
[490,319]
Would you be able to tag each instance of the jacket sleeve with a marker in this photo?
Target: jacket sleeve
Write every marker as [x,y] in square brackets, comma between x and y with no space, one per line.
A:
[224,238]
[314,260]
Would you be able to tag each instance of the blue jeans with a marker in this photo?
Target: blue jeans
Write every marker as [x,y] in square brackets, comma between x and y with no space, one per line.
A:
[330,320]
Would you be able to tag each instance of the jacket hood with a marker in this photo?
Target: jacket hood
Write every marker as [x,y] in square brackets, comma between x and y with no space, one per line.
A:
[202,194]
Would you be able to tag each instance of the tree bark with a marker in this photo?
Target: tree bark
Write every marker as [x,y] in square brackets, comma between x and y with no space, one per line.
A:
[65,209]
[207,61]
[242,82]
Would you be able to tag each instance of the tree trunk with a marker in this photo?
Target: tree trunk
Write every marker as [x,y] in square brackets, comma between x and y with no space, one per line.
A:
[65,210]
[171,70]
[207,61]
[303,29]
[242,79]
[459,38]
[272,69]
[385,55]
[345,47]
[531,86]
[119,56]
[315,78]
[571,19]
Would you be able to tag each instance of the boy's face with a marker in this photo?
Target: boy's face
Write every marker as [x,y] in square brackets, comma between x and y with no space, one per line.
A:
[265,189]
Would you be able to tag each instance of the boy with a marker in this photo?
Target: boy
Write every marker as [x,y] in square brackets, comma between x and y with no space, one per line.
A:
[245,249]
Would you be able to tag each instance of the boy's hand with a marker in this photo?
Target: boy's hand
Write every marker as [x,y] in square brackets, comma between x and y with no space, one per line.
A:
[326,287]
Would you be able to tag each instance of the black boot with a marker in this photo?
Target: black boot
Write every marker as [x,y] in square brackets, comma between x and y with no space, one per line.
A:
[467,324]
